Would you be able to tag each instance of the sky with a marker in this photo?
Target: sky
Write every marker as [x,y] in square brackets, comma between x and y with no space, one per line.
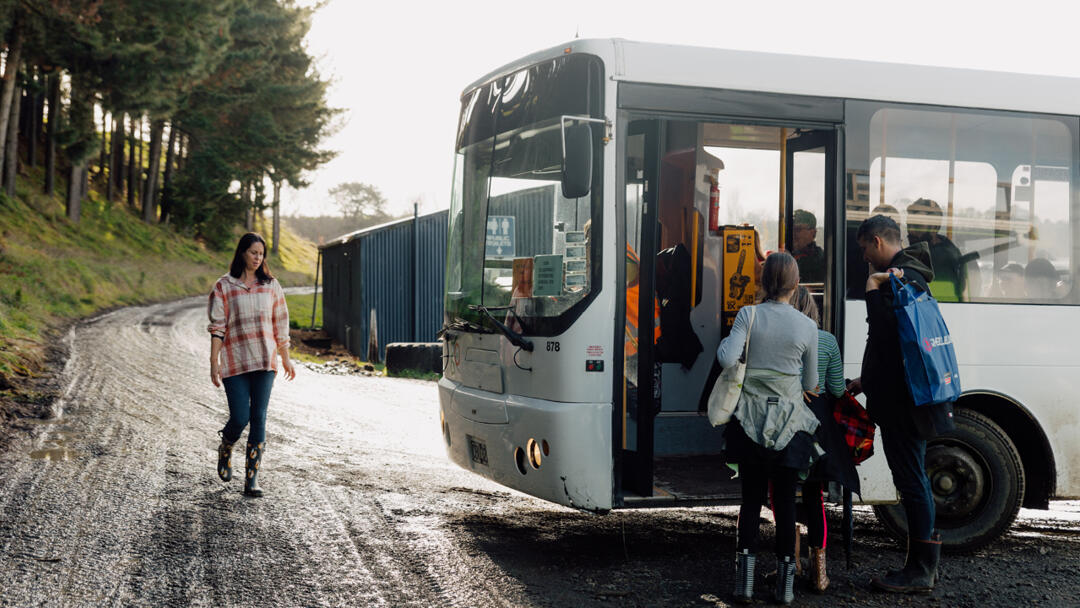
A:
[397,69]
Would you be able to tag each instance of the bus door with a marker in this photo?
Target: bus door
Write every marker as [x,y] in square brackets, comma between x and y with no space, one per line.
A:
[639,398]
[808,221]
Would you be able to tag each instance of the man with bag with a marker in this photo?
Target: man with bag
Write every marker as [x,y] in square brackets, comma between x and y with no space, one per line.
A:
[904,427]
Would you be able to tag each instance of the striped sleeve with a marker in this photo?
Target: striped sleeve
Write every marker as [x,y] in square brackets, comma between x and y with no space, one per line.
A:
[830,365]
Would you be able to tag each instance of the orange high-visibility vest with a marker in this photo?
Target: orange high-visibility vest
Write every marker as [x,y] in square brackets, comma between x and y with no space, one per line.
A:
[630,346]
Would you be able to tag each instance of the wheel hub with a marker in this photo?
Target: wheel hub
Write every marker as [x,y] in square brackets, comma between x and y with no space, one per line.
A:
[957,480]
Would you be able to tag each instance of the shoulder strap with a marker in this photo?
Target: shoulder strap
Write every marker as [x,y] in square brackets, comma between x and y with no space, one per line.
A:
[746,344]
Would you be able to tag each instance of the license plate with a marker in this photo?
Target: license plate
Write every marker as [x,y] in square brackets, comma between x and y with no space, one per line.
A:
[478,451]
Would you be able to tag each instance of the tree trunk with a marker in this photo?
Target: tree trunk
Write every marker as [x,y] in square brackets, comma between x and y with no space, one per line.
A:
[139,166]
[153,162]
[37,116]
[245,200]
[277,216]
[103,154]
[81,150]
[166,180]
[253,196]
[14,56]
[116,164]
[11,152]
[50,134]
[131,166]
[26,114]
[76,186]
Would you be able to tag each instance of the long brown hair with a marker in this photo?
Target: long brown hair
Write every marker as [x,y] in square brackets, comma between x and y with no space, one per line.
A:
[779,275]
[803,302]
[236,269]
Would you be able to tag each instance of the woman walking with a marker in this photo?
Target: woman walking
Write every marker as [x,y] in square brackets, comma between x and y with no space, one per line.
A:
[249,330]
[836,464]
[771,433]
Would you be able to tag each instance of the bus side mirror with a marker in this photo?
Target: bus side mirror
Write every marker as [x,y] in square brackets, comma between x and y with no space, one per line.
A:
[577,160]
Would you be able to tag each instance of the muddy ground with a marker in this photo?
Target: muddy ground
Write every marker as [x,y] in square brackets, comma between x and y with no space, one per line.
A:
[114,502]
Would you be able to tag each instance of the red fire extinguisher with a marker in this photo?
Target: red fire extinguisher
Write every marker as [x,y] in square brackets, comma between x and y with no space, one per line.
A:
[714,206]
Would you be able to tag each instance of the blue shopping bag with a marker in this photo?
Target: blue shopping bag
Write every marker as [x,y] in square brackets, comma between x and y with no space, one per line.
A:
[926,346]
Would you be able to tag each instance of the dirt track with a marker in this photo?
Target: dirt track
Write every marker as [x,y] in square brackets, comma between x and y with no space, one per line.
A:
[115,503]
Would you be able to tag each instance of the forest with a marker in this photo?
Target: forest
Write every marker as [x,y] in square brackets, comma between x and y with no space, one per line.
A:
[195,113]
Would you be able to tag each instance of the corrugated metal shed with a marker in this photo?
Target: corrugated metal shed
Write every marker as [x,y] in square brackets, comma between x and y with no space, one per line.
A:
[396,270]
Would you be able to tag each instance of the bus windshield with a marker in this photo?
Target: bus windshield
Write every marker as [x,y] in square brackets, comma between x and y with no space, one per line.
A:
[514,240]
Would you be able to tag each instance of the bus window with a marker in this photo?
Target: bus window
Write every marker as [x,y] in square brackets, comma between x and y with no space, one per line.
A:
[989,194]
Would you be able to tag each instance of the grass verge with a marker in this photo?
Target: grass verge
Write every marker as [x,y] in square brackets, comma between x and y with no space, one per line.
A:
[416,375]
[300,307]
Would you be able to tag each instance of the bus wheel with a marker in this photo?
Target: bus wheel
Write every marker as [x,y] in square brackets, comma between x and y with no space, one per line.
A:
[978,484]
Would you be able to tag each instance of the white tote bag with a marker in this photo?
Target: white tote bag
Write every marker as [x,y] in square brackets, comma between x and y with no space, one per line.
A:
[728,388]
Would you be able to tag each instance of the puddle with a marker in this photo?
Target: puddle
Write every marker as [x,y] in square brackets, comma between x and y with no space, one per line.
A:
[55,446]
[53,454]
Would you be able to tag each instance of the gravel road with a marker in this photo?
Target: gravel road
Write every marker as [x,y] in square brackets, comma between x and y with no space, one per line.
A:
[115,502]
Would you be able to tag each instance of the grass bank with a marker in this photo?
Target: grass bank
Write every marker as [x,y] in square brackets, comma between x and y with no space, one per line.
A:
[300,309]
[53,271]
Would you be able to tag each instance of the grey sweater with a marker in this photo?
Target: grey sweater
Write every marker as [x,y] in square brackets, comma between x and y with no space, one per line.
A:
[783,340]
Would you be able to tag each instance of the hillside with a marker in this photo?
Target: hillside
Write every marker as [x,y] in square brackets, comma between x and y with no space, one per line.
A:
[325,228]
[53,272]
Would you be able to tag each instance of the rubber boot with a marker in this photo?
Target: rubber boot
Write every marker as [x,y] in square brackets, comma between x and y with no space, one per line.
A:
[920,571]
[254,457]
[819,581]
[224,459]
[785,581]
[744,576]
[907,561]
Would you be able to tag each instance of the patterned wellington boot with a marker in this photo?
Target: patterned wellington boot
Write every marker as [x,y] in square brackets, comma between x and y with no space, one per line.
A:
[785,581]
[254,457]
[744,576]
[224,459]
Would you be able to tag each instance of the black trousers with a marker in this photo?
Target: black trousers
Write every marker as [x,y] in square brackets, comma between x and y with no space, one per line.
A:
[813,503]
[906,455]
[756,477]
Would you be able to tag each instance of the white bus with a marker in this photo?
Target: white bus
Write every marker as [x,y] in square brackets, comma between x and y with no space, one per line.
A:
[582,169]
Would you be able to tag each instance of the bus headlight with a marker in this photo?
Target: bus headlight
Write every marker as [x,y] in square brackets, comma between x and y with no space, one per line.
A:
[536,457]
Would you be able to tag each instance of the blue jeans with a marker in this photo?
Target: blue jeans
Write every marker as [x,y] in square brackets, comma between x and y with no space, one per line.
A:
[906,455]
[249,396]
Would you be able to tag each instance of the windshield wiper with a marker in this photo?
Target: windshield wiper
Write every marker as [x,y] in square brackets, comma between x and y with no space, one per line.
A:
[515,338]
[510,309]
[460,324]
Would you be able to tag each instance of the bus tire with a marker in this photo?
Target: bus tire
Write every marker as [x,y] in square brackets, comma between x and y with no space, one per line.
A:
[978,483]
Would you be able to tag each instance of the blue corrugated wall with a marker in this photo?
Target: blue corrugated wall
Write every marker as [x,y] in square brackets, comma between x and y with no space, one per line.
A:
[373,269]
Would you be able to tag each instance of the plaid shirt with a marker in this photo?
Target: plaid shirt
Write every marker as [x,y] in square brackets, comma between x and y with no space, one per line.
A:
[252,322]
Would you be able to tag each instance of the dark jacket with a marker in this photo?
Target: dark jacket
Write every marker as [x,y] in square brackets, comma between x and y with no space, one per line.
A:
[678,343]
[888,400]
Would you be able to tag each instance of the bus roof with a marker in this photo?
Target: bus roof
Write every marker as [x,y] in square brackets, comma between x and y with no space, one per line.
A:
[679,65]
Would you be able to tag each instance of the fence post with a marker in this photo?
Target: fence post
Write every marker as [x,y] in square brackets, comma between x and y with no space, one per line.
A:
[373,340]
[416,272]
[315,298]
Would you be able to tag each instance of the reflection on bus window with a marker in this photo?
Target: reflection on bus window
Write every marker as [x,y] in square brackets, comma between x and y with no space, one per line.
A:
[988,192]
[805,249]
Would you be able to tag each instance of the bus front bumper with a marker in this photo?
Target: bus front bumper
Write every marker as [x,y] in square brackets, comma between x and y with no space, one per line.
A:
[556,451]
